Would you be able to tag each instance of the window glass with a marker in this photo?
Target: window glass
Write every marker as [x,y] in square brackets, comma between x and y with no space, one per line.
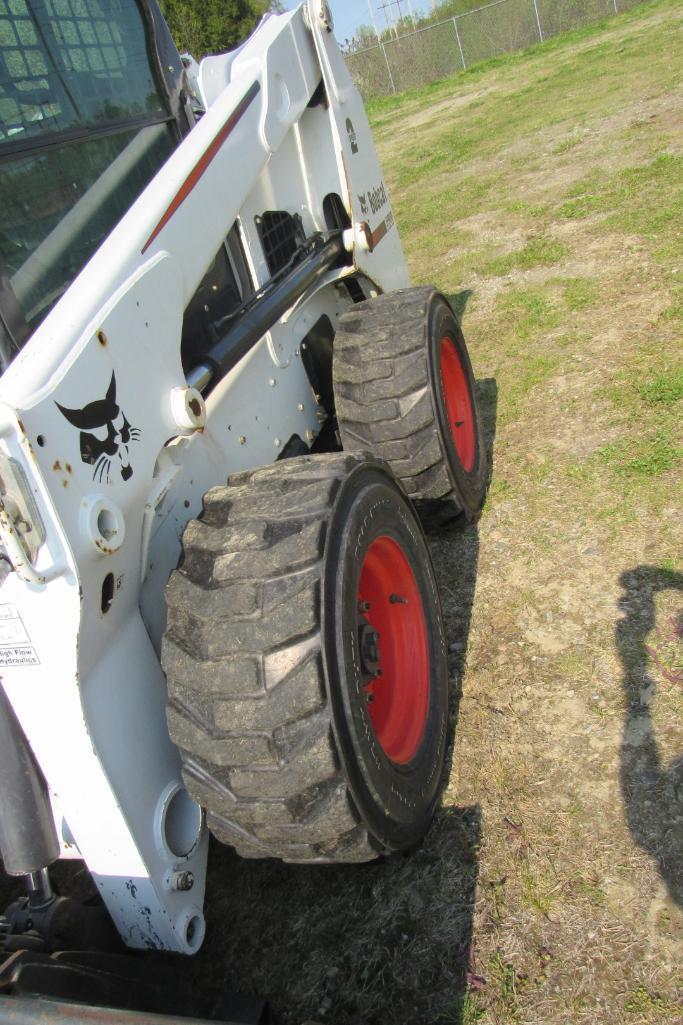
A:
[70,64]
[57,205]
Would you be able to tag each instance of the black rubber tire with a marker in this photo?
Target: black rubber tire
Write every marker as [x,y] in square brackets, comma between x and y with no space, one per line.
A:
[265,698]
[389,399]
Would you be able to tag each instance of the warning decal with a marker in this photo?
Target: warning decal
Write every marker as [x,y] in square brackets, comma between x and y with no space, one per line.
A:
[12,630]
[15,643]
[18,657]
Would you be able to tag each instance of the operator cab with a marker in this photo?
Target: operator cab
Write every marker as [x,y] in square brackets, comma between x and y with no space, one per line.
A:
[91,106]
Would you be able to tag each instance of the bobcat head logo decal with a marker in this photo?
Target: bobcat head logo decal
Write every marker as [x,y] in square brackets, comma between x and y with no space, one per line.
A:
[106,434]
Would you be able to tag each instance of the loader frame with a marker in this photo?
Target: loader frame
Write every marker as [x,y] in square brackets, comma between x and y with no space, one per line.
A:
[82,613]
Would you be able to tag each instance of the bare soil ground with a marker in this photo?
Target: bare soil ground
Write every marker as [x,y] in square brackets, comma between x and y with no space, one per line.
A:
[542,192]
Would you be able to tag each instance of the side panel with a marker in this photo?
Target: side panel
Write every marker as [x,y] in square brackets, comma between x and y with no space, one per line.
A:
[89,691]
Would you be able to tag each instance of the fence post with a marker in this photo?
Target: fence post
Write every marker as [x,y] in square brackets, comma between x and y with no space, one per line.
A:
[538,22]
[457,36]
[616,9]
[386,61]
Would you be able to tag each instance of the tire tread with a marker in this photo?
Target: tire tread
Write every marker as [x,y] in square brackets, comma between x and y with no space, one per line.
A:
[242,655]
[384,398]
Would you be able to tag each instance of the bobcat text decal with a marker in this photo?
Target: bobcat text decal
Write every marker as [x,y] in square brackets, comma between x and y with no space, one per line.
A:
[374,198]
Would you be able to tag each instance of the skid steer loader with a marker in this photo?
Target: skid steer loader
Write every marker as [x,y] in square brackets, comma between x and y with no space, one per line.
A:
[201,281]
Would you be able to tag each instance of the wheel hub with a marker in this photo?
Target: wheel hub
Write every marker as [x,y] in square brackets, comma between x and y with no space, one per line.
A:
[368,644]
[396,675]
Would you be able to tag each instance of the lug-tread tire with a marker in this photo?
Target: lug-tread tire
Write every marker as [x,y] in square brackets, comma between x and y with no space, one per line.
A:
[248,702]
[387,399]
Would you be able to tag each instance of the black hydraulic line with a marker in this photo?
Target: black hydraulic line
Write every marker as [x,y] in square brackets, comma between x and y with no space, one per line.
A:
[28,839]
[239,332]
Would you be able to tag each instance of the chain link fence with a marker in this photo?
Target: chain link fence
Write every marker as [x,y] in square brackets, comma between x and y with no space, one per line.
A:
[438,49]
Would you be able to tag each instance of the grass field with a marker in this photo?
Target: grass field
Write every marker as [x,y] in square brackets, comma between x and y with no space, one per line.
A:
[542,192]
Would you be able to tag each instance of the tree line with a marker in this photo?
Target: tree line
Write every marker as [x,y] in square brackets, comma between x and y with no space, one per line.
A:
[201,27]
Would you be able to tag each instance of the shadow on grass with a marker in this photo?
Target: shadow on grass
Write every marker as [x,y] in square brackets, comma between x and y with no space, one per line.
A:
[459,301]
[652,792]
[455,553]
[385,942]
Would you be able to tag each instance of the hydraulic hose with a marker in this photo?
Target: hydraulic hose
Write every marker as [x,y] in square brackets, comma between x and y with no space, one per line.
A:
[28,839]
[239,332]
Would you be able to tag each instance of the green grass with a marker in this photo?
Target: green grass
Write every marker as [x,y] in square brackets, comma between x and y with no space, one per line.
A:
[674,312]
[579,293]
[538,252]
[440,151]
[523,312]
[631,198]
[543,326]
[645,393]
[567,145]
[447,151]
[642,458]
[538,892]
[445,207]
[509,983]
[466,1011]
[593,893]
[662,389]
[643,1001]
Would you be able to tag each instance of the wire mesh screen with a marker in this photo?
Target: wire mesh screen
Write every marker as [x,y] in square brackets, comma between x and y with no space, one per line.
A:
[423,56]
[437,50]
[369,72]
[499,28]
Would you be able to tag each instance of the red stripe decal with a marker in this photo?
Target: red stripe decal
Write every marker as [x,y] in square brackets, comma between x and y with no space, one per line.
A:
[381,230]
[204,161]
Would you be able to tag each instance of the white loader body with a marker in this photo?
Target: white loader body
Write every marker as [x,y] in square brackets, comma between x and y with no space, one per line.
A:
[82,613]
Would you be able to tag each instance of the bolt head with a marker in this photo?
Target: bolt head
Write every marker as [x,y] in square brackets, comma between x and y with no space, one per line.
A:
[183,881]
